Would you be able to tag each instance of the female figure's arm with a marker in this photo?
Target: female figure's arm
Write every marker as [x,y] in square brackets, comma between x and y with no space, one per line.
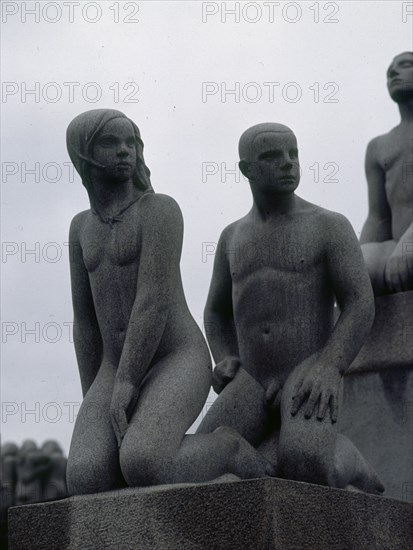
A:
[86,333]
[158,276]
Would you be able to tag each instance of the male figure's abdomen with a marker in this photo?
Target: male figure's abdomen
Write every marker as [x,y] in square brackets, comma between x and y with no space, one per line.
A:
[279,325]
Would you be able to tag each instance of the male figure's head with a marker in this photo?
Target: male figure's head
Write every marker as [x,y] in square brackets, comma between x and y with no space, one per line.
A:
[400,77]
[269,158]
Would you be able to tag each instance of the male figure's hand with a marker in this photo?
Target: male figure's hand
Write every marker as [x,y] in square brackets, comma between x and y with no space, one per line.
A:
[224,372]
[398,272]
[124,399]
[320,385]
[272,396]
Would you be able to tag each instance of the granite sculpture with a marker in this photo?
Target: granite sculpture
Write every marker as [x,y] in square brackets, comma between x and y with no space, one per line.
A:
[387,235]
[269,320]
[144,364]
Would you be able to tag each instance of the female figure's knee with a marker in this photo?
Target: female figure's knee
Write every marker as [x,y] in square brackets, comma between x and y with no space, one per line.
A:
[146,465]
[86,476]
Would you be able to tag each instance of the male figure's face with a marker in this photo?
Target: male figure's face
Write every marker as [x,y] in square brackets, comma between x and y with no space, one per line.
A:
[115,149]
[400,77]
[273,164]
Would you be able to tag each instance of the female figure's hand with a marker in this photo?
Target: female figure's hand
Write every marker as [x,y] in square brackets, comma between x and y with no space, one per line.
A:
[124,398]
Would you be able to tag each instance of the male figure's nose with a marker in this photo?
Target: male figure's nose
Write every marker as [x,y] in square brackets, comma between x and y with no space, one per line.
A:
[287,162]
[393,72]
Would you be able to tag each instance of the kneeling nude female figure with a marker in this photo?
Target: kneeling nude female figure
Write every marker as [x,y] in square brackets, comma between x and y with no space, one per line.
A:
[144,365]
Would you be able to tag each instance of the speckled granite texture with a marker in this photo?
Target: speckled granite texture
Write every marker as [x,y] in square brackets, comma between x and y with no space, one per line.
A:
[251,514]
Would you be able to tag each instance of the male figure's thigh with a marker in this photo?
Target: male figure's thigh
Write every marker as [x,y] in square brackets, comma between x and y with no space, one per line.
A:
[240,406]
[306,445]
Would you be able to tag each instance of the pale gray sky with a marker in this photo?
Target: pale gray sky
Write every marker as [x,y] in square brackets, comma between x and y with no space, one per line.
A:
[326,80]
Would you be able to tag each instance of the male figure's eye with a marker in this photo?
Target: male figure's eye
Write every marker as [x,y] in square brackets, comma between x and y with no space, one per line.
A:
[294,154]
[271,155]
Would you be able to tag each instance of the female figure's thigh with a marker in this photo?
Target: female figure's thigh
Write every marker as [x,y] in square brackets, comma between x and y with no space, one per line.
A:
[93,462]
[170,399]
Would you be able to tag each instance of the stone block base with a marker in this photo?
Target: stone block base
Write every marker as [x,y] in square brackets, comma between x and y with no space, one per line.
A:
[254,514]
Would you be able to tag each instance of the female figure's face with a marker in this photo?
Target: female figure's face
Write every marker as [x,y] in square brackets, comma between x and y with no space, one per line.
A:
[114,148]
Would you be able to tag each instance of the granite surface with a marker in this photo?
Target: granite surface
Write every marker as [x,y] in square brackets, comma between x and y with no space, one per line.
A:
[249,514]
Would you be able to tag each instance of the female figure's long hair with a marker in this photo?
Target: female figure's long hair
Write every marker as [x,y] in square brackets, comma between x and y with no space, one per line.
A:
[80,137]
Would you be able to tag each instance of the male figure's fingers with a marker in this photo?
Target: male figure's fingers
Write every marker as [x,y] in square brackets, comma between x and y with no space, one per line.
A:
[311,403]
[334,408]
[272,396]
[272,391]
[297,387]
[298,400]
[322,407]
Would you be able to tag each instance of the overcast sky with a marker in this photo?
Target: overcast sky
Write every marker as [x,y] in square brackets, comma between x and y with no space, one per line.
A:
[171,69]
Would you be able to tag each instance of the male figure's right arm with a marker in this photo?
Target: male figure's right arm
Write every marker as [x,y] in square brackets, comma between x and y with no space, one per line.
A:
[86,333]
[219,318]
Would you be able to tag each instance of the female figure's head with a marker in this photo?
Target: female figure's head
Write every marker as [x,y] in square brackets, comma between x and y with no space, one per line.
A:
[105,145]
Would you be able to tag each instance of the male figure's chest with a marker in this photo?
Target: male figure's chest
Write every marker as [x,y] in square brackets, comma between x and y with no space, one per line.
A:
[280,248]
[396,159]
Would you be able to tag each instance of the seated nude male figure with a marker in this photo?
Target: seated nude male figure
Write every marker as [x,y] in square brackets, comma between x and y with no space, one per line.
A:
[387,235]
[269,319]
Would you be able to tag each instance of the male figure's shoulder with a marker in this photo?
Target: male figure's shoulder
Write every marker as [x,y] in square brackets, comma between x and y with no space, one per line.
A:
[325,225]
[235,230]
[317,213]
[380,144]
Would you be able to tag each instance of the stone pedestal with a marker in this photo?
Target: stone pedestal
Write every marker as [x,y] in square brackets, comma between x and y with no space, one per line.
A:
[255,514]
[377,411]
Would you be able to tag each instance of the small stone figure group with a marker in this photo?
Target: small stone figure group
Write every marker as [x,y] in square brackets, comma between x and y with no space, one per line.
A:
[28,475]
